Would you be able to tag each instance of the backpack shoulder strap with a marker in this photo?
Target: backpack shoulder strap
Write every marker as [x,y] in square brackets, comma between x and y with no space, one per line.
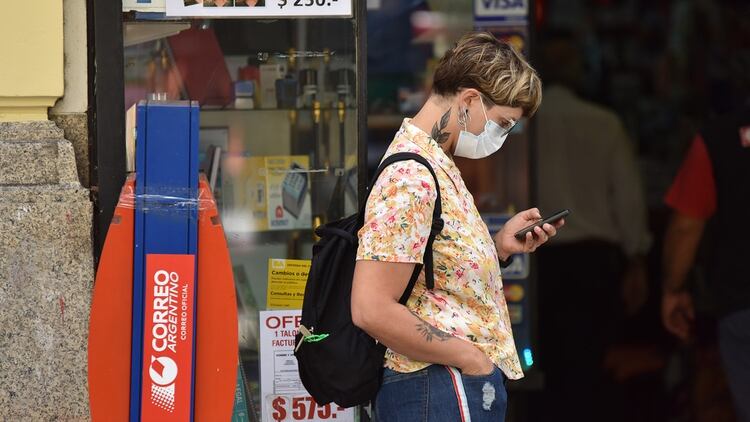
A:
[435,229]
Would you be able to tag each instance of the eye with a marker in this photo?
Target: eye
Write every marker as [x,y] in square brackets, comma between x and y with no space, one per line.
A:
[508,124]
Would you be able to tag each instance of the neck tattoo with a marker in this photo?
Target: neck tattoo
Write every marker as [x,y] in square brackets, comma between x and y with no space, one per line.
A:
[438,129]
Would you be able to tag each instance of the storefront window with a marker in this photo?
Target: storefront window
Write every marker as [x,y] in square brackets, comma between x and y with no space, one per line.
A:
[278,136]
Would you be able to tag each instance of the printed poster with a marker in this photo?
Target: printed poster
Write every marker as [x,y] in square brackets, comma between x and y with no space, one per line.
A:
[288,192]
[283,397]
[274,193]
[250,193]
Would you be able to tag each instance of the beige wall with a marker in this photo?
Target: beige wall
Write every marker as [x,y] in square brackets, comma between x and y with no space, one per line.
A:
[70,112]
[31,51]
[75,98]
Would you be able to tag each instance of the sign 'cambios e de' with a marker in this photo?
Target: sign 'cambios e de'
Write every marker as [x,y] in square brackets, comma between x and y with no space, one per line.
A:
[167,338]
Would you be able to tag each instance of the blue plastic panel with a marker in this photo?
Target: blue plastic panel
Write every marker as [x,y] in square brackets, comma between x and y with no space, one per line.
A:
[166,169]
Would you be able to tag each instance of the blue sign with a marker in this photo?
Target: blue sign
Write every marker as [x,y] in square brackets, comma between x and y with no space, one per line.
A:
[495,222]
[519,268]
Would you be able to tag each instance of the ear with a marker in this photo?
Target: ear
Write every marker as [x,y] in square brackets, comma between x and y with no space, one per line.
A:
[467,96]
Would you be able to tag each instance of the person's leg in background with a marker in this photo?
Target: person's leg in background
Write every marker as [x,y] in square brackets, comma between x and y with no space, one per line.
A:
[734,343]
[578,302]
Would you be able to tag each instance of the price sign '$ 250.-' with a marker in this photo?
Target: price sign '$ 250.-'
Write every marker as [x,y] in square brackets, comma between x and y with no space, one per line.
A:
[306,3]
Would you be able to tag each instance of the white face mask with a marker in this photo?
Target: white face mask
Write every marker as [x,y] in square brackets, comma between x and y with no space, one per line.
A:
[483,145]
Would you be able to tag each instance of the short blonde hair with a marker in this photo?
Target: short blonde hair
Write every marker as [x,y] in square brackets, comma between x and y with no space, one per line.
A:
[494,68]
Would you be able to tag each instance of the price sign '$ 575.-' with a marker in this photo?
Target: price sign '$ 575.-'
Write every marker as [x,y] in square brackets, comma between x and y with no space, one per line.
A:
[285,408]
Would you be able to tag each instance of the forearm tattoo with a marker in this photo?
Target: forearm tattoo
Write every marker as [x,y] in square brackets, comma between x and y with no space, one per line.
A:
[429,332]
[438,129]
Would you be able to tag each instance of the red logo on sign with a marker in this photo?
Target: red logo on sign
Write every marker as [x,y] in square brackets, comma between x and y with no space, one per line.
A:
[745,136]
[168,337]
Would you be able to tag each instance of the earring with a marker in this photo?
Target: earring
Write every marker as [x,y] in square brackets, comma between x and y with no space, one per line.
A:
[462,117]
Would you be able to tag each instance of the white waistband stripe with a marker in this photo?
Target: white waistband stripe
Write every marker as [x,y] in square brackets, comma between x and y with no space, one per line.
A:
[458,386]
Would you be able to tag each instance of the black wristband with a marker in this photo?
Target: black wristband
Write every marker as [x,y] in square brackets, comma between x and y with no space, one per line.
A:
[506,264]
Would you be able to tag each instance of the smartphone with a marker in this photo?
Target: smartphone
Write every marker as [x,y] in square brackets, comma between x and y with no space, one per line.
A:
[521,234]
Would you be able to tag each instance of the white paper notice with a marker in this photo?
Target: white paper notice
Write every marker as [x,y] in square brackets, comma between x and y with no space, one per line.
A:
[283,396]
[260,8]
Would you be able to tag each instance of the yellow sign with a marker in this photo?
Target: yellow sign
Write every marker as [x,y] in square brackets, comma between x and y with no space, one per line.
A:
[514,293]
[286,283]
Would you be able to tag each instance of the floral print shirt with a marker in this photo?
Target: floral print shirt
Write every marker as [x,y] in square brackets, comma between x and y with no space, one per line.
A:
[468,300]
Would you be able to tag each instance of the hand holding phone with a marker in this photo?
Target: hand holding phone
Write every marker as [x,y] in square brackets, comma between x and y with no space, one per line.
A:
[521,234]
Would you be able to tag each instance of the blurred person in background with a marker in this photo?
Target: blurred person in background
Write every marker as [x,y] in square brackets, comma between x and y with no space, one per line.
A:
[711,194]
[594,272]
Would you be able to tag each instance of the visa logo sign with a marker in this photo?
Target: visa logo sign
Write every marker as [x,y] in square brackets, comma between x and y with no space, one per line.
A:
[503,4]
[501,9]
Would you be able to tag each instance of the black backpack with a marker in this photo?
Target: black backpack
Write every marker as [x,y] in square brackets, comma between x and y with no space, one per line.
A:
[339,362]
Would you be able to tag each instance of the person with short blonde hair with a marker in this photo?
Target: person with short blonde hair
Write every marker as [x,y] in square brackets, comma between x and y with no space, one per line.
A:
[450,348]
[493,68]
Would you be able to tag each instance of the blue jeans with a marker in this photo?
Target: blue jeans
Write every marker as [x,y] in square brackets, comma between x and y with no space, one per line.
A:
[734,344]
[441,394]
